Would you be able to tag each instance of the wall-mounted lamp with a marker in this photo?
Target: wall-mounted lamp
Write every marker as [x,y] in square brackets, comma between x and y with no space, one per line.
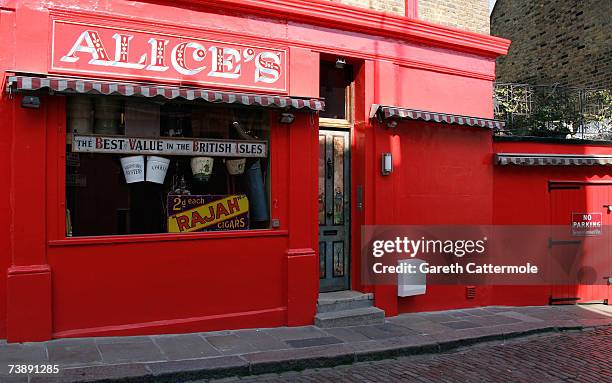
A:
[286,118]
[391,124]
[340,63]
[32,102]
[387,164]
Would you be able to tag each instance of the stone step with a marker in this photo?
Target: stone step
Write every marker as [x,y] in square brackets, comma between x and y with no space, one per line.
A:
[343,300]
[353,317]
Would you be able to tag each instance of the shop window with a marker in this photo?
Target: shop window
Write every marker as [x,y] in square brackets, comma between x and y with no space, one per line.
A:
[138,166]
[335,87]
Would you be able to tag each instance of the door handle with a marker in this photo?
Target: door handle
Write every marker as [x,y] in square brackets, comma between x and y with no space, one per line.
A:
[330,169]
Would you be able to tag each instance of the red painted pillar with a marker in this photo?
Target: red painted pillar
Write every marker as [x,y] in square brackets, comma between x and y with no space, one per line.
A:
[412,9]
[29,276]
[386,196]
[302,272]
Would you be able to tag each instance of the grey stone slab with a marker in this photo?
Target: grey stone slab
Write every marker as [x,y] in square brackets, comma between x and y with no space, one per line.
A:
[519,316]
[437,317]
[215,367]
[16,353]
[291,333]
[72,352]
[230,344]
[97,373]
[347,334]
[261,340]
[459,314]
[311,342]
[383,331]
[422,327]
[299,358]
[130,351]
[122,339]
[461,324]
[185,346]
[13,379]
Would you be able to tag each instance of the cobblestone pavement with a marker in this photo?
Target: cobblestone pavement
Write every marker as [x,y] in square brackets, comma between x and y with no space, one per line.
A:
[575,356]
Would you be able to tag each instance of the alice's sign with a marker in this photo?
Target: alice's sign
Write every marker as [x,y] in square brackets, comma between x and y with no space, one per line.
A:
[187,213]
[168,146]
[199,58]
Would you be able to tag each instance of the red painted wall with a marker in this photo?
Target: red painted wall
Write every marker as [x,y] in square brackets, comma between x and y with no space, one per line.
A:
[160,283]
[521,197]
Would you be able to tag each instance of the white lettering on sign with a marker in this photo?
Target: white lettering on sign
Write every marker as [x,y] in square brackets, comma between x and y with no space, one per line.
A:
[586,224]
[168,146]
[87,48]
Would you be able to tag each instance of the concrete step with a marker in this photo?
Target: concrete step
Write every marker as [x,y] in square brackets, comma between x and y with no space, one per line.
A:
[343,300]
[353,317]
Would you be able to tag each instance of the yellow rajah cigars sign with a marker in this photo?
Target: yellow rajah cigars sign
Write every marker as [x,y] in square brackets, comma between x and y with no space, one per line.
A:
[188,213]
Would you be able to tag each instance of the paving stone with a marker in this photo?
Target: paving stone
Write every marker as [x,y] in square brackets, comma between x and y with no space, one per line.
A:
[71,352]
[200,368]
[230,344]
[17,353]
[299,358]
[261,340]
[437,317]
[292,333]
[102,372]
[185,346]
[347,334]
[382,331]
[311,342]
[461,324]
[130,351]
[520,316]
[422,327]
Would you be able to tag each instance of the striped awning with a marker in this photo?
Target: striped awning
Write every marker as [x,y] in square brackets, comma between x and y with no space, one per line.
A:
[392,112]
[81,85]
[528,159]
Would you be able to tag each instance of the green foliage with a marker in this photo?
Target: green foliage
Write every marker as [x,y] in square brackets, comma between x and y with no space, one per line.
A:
[551,111]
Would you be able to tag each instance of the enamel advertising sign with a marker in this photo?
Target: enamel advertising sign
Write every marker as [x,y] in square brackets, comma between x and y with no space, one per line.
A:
[168,146]
[586,224]
[188,213]
[137,54]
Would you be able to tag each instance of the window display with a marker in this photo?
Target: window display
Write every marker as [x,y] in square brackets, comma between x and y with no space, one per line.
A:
[141,166]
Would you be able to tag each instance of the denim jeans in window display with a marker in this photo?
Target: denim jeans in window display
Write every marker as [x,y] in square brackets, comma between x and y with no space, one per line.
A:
[256,192]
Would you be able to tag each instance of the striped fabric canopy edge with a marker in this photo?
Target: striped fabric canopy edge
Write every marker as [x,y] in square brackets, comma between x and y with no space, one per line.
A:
[394,112]
[87,86]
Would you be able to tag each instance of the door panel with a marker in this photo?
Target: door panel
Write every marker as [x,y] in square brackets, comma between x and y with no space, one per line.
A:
[583,255]
[334,225]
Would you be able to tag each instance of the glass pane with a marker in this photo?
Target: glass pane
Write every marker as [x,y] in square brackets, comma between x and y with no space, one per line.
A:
[321,180]
[334,84]
[338,180]
[338,259]
[322,262]
[135,168]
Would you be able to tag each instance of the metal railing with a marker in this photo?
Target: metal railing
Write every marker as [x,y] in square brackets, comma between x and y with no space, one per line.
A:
[554,111]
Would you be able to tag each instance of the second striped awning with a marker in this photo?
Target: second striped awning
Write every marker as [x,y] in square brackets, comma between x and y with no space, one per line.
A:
[393,112]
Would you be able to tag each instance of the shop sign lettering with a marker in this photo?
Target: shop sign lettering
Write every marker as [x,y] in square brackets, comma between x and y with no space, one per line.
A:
[188,213]
[117,51]
[168,146]
[586,224]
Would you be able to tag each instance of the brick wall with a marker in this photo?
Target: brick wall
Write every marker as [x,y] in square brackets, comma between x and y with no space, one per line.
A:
[555,42]
[391,6]
[471,15]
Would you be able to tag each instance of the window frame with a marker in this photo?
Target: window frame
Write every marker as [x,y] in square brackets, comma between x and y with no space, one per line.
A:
[57,202]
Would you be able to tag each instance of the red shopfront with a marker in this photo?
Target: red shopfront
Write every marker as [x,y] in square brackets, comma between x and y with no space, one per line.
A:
[167,177]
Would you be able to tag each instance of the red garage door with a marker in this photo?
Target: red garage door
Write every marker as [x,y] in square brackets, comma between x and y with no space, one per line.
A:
[580,243]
